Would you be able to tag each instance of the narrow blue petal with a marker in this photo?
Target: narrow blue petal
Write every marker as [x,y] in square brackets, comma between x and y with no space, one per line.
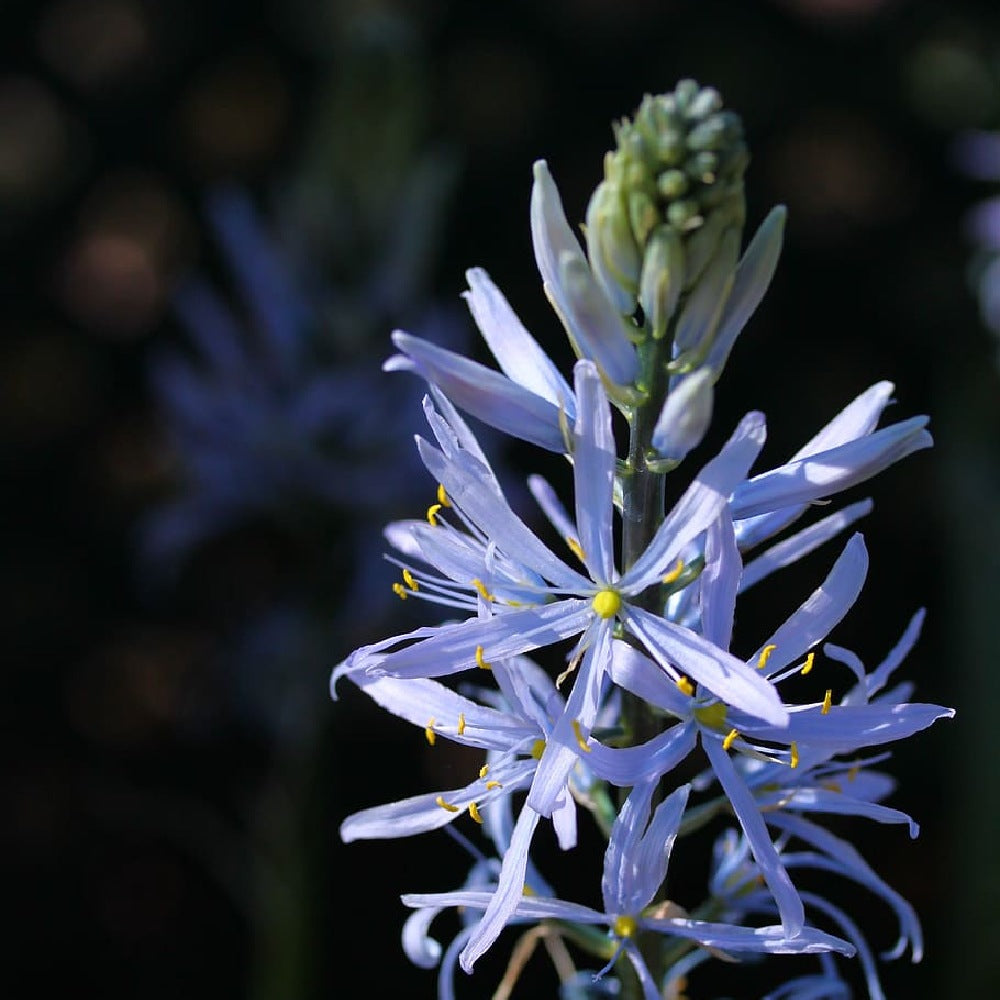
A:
[452,648]
[804,480]
[650,861]
[846,728]
[747,812]
[635,672]
[879,677]
[562,748]
[680,650]
[419,700]
[624,766]
[619,888]
[594,458]
[826,800]
[517,352]
[509,891]
[753,276]
[795,547]
[481,391]
[821,611]
[720,581]
[771,939]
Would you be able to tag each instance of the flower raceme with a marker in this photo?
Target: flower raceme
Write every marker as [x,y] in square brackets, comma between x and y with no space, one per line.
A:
[652,303]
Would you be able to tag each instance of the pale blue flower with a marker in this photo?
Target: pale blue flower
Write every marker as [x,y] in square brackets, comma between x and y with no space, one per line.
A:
[813,734]
[535,598]
[735,886]
[635,866]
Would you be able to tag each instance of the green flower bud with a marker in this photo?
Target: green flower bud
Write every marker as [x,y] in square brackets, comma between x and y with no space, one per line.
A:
[642,215]
[612,250]
[662,278]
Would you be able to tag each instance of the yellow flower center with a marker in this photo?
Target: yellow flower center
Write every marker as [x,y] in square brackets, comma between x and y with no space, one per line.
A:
[712,716]
[625,926]
[607,603]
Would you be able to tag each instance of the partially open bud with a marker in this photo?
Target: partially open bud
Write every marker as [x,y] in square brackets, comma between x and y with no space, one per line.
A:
[611,247]
[685,416]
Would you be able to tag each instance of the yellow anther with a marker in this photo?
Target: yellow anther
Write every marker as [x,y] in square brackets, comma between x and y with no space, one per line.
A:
[576,548]
[686,687]
[447,806]
[712,716]
[730,739]
[578,733]
[442,496]
[409,580]
[607,603]
[675,573]
[832,786]
[854,772]
[461,723]
[480,662]
[481,588]
[484,770]
[429,732]
[808,665]
[432,513]
[474,813]
[625,927]
[528,891]
[765,655]
[794,758]
[490,785]
[400,591]
[827,701]
[537,749]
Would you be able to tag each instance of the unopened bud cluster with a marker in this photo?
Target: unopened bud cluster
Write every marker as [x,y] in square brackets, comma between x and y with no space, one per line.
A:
[672,187]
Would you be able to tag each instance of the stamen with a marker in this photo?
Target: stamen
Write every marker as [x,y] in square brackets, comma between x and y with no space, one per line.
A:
[447,806]
[483,592]
[474,813]
[537,749]
[832,786]
[808,665]
[673,575]
[484,770]
[577,732]
[480,662]
[794,759]
[607,603]
[686,687]
[461,723]
[432,513]
[625,926]
[730,739]
[576,548]
[827,701]
[765,655]
[490,785]
[854,772]
[442,496]
[409,580]
[400,591]
[429,732]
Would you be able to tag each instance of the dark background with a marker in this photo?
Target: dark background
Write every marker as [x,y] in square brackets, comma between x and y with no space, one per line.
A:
[163,839]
